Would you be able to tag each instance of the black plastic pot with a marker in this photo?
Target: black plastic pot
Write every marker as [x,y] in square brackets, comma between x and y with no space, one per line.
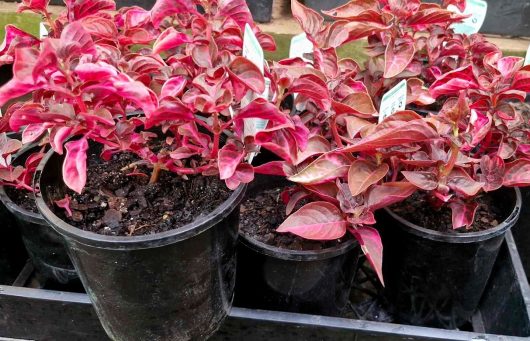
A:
[12,256]
[175,285]
[310,282]
[320,5]
[261,10]
[437,279]
[521,231]
[45,246]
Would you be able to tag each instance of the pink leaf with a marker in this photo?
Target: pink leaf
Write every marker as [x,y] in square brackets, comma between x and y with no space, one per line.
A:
[169,39]
[171,111]
[398,57]
[57,137]
[463,183]
[294,199]
[32,132]
[173,87]
[279,168]
[517,173]
[424,180]
[388,194]
[316,221]
[165,8]
[99,71]
[230,156]
[394,135]
[314,88]
[15,38]
[78,9]
[463,214]
[244,174]
[326,168]
[372,247]
[65,203]
[38,6]
[492,169]
[247,73]
[74,166]
[454,81]
[310,21]
[363,174]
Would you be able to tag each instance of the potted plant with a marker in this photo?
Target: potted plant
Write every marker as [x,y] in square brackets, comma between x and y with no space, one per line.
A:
[304,264]
[145,154]
[417,265]
[482,150]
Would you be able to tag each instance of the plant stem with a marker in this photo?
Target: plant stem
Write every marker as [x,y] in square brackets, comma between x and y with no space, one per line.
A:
[155,175]
[335,132]
[216,136]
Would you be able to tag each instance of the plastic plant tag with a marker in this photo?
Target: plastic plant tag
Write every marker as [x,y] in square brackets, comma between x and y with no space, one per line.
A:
[394,100]
[252,51]
[300,45]
[43,32]
[478,10]
[527,59]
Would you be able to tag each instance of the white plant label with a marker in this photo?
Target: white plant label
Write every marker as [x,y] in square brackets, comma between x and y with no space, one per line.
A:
[394,100]
[527,59]
[300,46]
[252,51]
[478,10]
[43,32]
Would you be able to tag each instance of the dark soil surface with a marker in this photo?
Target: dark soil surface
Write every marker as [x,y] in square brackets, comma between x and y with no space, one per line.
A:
[417,210]
[261,215]
[22,198]
[114,202]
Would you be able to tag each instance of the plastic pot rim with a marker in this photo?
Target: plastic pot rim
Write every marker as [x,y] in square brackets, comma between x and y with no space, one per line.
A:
[92,239]
[296,255]
[462,238]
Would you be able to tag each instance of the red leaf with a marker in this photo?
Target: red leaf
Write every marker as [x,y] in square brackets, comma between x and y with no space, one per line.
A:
[32,132]
[395,135]
[492,169]
[74,166]
[315,146]
[517,173]
[65,203]
[372,247]
[38,6]
[326,168]
[398,57]
[316,221]
[171,111]
[230,156]
[243,174]
[363,174]
[389,193]
[173,87]
[165,8]
[169,39]
[314,88]
[273,168]
[454,81]
[462,183]
[310,21]
[261,108]
[78,9]
[247,73]
[15,38]
[424,180]
[361,103]
[463,214]
[8,145]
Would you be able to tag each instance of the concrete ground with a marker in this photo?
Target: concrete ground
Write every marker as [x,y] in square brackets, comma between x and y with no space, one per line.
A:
[283,23]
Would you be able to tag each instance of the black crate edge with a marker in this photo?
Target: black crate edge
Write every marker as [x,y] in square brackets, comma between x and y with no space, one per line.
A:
[53,315]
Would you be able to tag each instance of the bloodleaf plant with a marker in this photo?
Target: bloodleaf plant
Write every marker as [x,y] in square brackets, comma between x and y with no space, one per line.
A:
[123,79]
[484,143]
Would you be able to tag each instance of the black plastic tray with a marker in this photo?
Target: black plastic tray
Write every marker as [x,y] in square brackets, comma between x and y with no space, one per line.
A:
[44,314]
